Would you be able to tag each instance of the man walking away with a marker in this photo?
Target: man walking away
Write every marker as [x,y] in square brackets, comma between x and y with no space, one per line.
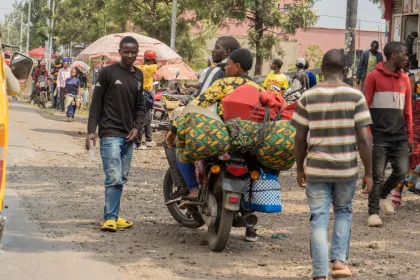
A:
[333,113]
[63,74]
[388,95]
[368,61]
[311,76]
[118,108]
[300,81]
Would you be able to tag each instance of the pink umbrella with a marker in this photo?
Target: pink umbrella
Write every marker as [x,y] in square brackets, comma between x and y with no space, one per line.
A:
[169,71]
[108,46]
[38,53]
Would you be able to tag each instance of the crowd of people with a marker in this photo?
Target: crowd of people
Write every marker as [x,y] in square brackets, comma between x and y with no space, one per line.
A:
[334,123]
[65,85]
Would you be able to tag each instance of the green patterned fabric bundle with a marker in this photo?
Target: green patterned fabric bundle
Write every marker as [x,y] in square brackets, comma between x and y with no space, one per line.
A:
[200,137]
[277,149]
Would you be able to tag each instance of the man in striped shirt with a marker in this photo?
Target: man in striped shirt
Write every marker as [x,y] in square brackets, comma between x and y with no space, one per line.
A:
[333,113]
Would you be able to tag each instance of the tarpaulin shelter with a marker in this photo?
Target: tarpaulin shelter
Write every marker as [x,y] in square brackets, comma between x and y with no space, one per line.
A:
[108,46]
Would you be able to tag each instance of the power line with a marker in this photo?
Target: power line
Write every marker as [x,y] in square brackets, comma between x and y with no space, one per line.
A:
[357,19]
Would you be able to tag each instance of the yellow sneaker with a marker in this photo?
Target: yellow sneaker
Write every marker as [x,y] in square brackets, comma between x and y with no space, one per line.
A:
[109,225]
[121,223]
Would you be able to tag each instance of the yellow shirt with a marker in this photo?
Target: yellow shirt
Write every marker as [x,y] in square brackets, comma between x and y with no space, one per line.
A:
[148,72]
[273,79]
[371,63]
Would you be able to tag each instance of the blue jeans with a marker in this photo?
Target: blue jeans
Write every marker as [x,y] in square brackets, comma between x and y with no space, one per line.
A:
[116,159]
[320,196]
[188,173]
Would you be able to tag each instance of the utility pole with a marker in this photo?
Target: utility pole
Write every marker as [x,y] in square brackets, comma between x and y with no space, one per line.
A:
[350,40]
[29,26]
[47,42]
[173,24]
[21,32]
[52,27]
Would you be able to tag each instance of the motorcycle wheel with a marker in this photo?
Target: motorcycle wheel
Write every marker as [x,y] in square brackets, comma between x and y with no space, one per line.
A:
[43,100]
[219,233]
[184,219]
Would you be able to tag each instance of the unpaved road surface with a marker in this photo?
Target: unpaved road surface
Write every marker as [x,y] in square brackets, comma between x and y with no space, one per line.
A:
[63,193]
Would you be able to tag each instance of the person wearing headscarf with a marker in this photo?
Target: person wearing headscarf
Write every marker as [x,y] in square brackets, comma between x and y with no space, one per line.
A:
[238,64]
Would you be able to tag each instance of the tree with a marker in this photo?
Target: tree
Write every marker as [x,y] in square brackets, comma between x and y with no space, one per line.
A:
[314,55]
[268,24]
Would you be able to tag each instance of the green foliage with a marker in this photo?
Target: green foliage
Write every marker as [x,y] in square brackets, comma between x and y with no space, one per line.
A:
[84,21]
[268,25]
[314,55]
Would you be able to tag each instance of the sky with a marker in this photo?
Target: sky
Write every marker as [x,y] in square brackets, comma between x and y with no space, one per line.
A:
[332,13]
[5,8]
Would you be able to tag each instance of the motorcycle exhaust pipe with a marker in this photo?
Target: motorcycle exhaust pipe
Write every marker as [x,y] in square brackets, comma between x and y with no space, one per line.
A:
[249,220]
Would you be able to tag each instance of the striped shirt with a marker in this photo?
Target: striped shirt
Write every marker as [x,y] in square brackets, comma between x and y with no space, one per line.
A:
[331,114]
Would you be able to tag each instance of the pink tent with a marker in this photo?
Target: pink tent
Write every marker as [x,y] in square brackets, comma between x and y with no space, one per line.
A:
[168,72]
[38,53]
[108,46]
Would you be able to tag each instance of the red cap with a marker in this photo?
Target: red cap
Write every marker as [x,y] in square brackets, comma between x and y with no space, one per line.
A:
[149,55]
[8,53]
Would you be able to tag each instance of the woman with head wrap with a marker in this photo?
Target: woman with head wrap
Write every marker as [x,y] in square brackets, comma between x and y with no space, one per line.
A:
[238,64]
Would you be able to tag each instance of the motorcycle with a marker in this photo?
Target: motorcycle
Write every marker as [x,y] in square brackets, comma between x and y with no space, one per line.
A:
[160,116]
[220,201]
[41,90]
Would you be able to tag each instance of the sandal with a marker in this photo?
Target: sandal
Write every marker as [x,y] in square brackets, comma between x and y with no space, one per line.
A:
[109,225]
[122,223]
[396,197]
[184,203]
[340,270]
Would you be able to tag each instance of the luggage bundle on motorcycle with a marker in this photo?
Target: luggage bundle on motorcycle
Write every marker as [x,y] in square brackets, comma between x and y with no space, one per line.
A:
[243,134]
[201,134]
[252,127]
[277,150]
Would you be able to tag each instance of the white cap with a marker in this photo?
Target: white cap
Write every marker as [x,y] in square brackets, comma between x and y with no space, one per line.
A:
[300,61]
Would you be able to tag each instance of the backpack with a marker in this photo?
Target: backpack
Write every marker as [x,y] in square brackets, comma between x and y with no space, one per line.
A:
[149,98]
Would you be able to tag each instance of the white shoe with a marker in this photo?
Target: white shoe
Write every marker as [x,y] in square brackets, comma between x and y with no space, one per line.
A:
[150,144]
[374,221]
[386,207]
[142,147]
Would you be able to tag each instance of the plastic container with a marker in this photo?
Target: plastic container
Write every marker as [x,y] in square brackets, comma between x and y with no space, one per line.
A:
[92,151]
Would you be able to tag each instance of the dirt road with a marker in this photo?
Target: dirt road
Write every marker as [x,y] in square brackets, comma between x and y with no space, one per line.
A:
[63,193]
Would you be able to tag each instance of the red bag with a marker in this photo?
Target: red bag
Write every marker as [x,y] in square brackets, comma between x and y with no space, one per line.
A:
[248,103]
[287,113]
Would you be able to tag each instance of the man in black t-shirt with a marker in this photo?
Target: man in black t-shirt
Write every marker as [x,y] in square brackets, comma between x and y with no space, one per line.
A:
[118,109]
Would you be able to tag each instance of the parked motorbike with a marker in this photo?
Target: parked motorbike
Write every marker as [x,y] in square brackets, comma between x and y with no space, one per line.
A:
[160,116]
[220,202]
[40,97]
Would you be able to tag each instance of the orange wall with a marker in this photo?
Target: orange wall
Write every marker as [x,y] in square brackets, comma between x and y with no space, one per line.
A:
[326,38]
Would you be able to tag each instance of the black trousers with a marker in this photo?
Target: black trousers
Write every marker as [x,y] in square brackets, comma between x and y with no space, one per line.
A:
[398,155]
[147,129]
